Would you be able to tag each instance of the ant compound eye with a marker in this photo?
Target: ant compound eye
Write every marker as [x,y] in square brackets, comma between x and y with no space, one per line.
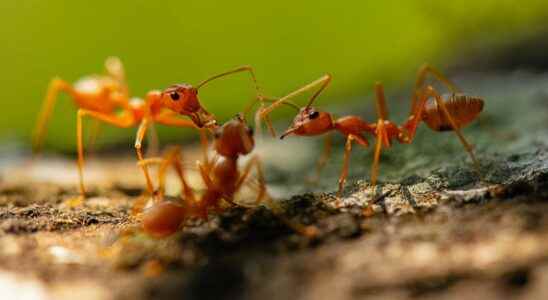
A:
[314,115]
[174,96]
[216,134]
[250,131]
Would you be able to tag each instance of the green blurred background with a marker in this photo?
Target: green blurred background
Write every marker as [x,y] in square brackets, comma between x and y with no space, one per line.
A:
[288,42]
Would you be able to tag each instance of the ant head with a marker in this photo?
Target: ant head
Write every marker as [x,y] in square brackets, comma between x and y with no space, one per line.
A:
[234,138]
[183,99]
[309,121]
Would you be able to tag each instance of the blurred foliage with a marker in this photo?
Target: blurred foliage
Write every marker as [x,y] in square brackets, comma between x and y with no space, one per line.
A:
[288,42]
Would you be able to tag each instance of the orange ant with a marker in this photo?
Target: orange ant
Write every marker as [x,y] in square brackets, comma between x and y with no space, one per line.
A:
[102,97]
[222,179]
[444,113]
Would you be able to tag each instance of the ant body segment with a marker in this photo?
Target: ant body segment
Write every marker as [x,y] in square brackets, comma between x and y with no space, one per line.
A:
[106,99]
[440,113]
[222,178]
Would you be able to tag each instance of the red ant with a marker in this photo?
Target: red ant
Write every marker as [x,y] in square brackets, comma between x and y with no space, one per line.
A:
[102,97]
[444,113]
[222,179]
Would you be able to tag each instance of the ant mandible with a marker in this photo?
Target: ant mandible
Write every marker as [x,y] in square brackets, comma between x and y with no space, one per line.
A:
[222,178]
[102,97]
[444,113]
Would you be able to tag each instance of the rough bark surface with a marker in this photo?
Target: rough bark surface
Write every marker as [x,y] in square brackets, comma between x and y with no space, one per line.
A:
[431,229]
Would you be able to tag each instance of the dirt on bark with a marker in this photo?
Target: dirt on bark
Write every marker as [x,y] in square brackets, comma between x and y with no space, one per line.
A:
[431,229]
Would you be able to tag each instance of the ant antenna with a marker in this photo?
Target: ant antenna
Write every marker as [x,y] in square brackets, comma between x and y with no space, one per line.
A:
[324,80]
[236,70]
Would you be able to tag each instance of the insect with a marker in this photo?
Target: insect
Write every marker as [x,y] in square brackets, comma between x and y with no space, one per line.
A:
[106,99]
[449,112]
[222,177]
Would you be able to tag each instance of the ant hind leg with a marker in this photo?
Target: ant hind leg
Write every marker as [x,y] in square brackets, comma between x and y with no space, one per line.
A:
[56,85]
[430,90]
[123,121]
[426,69]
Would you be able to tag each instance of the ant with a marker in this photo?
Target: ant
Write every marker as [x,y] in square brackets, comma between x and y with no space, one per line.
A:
[222,178]
[106,99]
[449,112]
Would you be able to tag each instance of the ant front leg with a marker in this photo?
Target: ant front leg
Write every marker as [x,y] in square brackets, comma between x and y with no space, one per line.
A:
[344,171]
[124,121]
[380,101]
[382,138]
[380,129]
[262,99]
[324,158]
[56,85]
[141,131]
[92,137]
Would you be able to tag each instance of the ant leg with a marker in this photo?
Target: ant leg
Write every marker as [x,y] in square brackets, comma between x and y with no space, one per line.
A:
[123,121]
[205,148]
[322,161]
[154,142]
[268,122]
[169,118]
[156,161]
[55,86]
[426,69]
[381,136]
[253,162]
[257,120]
[430,90]
[413,120]
[382,111]
[204,172]
[92,138]
[344,171]
[165,119]
[174,157]
[138,145]
[322,82]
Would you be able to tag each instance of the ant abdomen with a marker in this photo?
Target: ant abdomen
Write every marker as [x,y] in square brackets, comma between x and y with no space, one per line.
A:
[163,218]
[462,108]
